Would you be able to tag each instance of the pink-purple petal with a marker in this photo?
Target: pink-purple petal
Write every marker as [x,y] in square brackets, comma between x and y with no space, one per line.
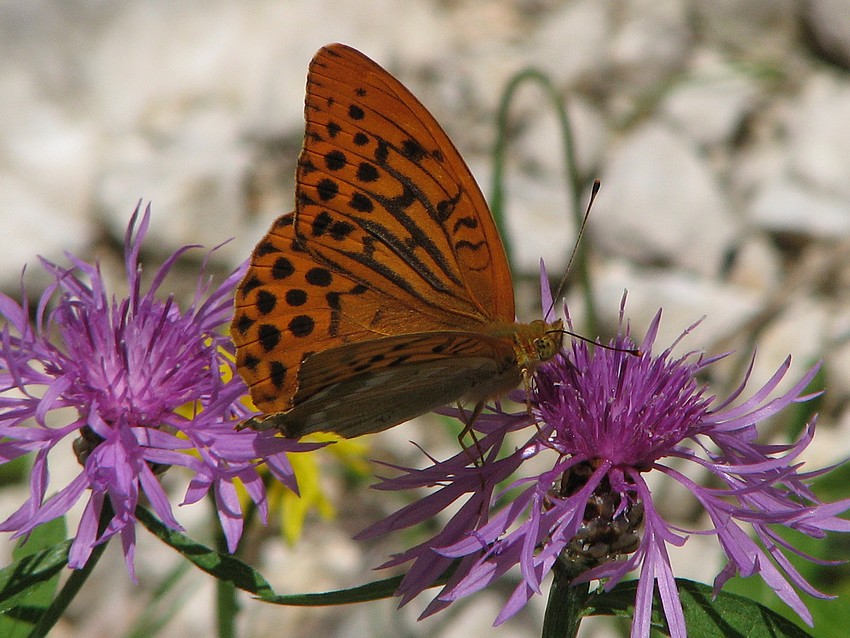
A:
[128,367]
[621,415]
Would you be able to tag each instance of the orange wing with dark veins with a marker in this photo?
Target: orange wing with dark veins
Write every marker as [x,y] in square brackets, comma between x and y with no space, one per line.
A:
[375,160]
[387,292]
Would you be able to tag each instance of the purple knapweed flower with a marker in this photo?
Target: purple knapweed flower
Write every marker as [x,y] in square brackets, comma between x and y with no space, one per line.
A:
[606,417]
[140,385]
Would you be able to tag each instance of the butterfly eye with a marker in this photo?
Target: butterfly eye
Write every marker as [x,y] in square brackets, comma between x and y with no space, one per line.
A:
[548,345]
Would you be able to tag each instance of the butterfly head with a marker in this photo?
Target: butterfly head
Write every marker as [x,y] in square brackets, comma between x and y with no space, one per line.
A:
[540,342]
[549,343]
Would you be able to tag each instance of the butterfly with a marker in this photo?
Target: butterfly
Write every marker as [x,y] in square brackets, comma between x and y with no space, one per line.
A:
[387,292]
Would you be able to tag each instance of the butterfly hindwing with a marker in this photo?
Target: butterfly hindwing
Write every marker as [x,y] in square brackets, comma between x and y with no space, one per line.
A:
[370,386]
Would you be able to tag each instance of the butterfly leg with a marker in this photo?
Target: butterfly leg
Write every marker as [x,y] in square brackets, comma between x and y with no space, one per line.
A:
[526,384]
[467,429]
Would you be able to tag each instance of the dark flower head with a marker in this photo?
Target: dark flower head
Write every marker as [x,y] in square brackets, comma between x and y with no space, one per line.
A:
[605,418]
[141,385]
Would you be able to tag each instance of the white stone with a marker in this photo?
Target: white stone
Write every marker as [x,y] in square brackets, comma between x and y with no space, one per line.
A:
[819,136]
[711,101]
[798,329]
[539,222]
[53,151]
[47,164]
[790,206]
[651,40]
[765,158]
[838,357]
[538,196]
[767,28]
[829,446]
[469,619]
[683,298]
[572,43]
[660,201]
[757,266]
[32,226]
[181,138]
[541,142]
[193,181]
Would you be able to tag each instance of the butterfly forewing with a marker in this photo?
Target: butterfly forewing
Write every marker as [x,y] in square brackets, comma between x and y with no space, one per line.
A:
[289,309]
[375,161]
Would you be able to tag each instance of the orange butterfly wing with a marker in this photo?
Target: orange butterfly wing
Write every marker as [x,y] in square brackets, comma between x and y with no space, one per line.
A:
[376,159]
[387,293]
[299,327]
[368,386]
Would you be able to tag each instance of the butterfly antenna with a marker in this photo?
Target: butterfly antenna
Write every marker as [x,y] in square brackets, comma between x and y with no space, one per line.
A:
[593,191]
[633,351]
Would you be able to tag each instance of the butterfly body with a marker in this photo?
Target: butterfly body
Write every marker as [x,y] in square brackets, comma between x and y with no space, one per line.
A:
[387,292]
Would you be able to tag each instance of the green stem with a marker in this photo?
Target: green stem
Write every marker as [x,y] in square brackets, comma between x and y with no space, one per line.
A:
[565,604]
[75,581]
[571,176]
[227,605]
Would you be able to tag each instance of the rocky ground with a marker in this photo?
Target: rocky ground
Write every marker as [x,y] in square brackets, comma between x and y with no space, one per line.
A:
[720,130]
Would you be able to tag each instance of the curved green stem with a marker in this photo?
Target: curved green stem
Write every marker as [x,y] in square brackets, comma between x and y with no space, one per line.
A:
[571,175]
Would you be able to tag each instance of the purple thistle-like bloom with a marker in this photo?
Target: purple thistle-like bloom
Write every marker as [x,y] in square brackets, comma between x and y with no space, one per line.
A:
[141,385]
[606,417]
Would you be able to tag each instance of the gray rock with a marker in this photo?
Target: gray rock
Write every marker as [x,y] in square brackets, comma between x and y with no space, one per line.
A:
[819,135]
[792,206]
[711,102]
[684,298]
[660,201]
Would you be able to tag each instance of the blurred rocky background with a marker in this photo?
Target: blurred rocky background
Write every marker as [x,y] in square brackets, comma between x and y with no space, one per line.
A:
[720,130]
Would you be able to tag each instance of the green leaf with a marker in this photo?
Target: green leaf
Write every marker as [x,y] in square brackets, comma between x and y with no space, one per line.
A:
[620,602]
[19,620]
[727,615]
[15,471]
[245,577]
[42,537]
[376,590]
[222,566]
[28,585]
